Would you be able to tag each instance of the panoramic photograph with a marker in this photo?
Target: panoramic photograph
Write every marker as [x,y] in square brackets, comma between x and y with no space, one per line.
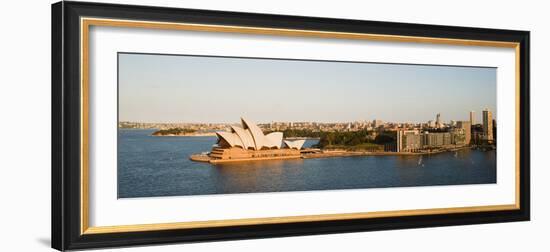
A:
[202,125]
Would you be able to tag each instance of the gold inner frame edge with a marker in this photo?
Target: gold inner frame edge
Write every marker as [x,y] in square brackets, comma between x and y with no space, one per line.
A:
[85,24]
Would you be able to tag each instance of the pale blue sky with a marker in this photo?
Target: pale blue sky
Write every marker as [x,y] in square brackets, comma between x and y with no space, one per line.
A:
[174,88]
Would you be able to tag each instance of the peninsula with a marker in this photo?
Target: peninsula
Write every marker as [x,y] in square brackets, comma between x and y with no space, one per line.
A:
[249,143]
[181,132]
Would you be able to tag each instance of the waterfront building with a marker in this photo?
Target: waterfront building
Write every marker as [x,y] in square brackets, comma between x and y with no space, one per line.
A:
[477,134]
[472,118]
[477,138]
[249,142]
[408,140]
[447,138]
[436,139]
[458,136]
[488,125]
[467,127]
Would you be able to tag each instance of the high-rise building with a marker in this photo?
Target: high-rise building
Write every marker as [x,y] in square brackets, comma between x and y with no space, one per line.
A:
[467,127]
[487,125]
[438,120]
[472,118]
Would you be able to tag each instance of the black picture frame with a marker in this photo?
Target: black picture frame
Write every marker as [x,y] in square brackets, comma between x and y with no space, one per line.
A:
[66,140]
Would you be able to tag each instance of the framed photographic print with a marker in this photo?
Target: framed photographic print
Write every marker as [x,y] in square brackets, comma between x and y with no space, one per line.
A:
[181,125]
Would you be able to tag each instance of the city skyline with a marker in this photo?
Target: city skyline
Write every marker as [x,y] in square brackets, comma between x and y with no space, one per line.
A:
[197,89]
[476,122]
[374,123]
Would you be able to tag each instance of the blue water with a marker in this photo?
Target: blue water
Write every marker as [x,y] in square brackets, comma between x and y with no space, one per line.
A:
[160,166]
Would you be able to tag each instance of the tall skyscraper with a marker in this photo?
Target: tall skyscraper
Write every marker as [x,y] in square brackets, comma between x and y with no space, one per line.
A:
[472,118]
[488,125]
[438,120]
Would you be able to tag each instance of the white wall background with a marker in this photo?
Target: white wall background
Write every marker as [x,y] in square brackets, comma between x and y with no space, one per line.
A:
[25,125]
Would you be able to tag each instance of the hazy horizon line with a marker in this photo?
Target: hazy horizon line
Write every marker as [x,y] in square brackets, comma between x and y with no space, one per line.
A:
[290,121]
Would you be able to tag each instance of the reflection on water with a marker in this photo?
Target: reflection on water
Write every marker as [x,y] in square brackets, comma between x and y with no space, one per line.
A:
[160,166]
[253,176]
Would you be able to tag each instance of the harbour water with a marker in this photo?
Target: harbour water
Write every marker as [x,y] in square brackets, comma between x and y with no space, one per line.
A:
[151,166]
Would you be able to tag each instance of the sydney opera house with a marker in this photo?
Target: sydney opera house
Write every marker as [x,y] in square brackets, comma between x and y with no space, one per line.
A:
[249,143]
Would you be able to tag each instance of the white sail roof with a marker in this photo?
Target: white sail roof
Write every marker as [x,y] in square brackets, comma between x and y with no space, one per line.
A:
[231,138]
[245,137]
[251,136]
[256,132]
[274,140]
[297,144]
